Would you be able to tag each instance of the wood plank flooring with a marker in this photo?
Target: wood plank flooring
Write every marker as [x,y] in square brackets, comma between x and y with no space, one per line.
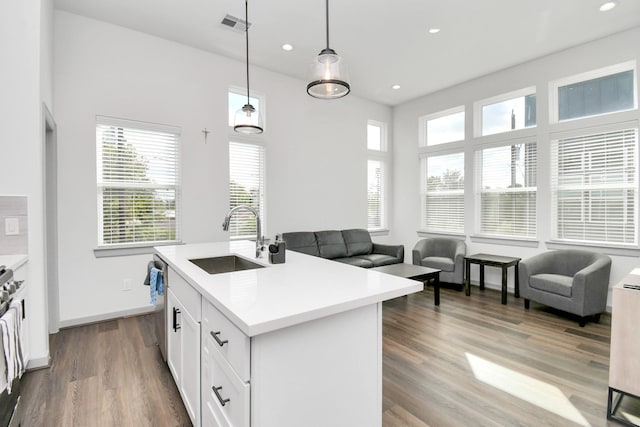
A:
[105,374]
[474,362]
[469,362]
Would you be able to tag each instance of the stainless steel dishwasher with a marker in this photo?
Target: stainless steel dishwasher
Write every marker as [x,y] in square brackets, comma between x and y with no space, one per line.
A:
[160,314]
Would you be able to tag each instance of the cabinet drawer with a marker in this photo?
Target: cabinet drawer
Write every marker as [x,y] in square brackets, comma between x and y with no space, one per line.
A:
[236,350]
[229,390]
[189,297]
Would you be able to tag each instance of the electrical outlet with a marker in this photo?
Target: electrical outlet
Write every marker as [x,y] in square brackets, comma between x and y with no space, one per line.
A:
[11,226]
[126,285]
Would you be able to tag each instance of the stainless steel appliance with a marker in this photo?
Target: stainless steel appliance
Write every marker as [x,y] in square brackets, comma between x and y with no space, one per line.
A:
[10,411]
[160,314]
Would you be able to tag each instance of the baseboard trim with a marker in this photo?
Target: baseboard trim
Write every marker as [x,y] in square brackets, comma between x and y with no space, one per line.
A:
[79,321]
[39,363]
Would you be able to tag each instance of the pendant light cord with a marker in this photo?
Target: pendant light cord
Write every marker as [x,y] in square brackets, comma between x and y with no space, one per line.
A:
[327,1]
[246,18]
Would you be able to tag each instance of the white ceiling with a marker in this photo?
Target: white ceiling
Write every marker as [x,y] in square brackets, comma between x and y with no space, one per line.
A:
[383,42]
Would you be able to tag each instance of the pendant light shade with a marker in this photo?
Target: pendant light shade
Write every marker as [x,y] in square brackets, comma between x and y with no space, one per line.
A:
[328,76]
[247,119]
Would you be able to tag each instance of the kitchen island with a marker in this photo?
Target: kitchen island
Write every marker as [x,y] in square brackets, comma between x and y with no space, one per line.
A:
[294,344]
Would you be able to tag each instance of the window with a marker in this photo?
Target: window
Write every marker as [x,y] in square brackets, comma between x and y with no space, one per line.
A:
[376,169]
[138,182]
[443,193]
[238,98]
[594,182]
[604,91]
[375,195]
[374,137]
[512,111]
[507,190]
[445,126]
[246,187]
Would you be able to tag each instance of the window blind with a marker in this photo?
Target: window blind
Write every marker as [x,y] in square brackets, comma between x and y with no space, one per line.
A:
[375,195]
[443,193]
[246,187]
[594,187]
[507,190]
[138,182]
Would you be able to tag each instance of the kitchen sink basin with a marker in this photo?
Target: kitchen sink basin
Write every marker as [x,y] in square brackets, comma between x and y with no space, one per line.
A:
[225,264]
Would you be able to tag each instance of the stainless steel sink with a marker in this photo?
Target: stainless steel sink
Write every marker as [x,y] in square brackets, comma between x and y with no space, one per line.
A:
[225,264]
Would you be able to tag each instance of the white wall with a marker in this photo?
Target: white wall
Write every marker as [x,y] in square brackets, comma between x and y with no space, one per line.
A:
[316,150]
[21,84]
[601,53]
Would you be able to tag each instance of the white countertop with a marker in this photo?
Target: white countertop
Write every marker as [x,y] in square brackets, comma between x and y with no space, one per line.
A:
[281,295]
[13,261]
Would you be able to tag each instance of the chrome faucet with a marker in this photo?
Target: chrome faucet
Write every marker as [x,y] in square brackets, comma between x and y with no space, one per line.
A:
[259,237]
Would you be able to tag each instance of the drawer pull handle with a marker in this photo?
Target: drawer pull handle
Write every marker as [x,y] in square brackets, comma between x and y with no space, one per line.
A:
[223,402]
[176,326]
[218,340]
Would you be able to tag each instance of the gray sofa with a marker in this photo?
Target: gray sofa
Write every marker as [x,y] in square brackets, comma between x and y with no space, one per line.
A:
[352,247]
[443,253]
[570,280]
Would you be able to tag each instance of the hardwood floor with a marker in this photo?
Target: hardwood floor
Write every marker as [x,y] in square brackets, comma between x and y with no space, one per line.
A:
[106,374]
[469,362]
[474,362]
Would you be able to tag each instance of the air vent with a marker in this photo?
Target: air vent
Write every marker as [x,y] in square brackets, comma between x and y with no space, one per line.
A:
[236,24]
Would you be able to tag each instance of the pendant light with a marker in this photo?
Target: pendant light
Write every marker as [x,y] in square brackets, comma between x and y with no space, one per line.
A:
[247,119]
[328,74]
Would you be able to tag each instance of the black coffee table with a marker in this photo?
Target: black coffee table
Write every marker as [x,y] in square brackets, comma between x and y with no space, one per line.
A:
[503,262]
[415,272]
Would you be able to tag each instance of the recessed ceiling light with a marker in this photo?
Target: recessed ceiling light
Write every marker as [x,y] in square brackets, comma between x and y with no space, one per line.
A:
[395,87]
[287,47]
[607,6]
[434,30]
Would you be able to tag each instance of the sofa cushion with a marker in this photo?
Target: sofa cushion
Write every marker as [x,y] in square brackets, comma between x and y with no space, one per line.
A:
[356,261]
[441,263]
[302,241]
[358,242]
[379,260]
[331,244]
[553,283]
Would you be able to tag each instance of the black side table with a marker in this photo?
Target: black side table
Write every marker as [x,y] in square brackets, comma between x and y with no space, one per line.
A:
[503,262]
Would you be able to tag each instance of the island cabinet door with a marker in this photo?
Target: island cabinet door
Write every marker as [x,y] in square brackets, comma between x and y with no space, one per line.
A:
[183,355]
[174,337]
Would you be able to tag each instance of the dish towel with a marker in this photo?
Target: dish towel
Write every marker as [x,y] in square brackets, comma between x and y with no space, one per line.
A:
[10,326]
[155,284]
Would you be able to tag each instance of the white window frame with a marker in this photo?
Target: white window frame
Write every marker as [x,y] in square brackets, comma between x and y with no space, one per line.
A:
[590,75]
[478,189]
[478,105]
[238,90]
[423,121]
[553,203]
[101,185]
[383,156]
[263,209]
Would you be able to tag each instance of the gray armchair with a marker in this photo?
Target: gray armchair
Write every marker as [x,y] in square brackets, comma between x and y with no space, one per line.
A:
[444,254]
[570,280]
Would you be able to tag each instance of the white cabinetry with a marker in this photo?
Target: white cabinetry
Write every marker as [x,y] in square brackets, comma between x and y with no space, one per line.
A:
[183,341]
[325,372]
[225,371]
